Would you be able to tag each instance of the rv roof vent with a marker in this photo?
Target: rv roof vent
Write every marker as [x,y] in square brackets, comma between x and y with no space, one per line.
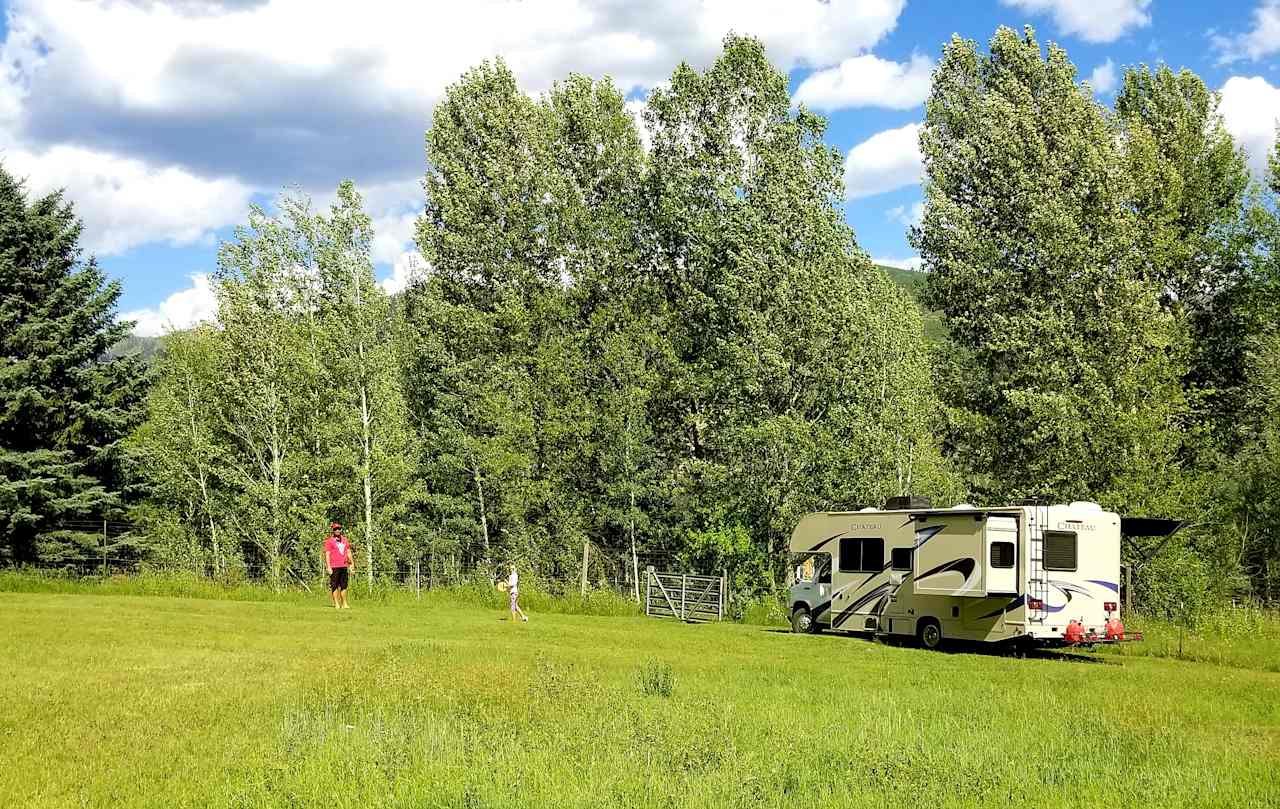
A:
[963,507]
[906,502]
[868,508]
[1085,505]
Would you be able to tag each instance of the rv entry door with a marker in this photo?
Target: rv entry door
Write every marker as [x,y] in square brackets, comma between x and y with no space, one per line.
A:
[1002,555]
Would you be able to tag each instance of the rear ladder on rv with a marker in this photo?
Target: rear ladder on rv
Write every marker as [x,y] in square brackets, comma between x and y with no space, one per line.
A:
[1037,582]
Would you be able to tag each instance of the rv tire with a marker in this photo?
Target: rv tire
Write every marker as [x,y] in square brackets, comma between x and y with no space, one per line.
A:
[929,632]
[801,622]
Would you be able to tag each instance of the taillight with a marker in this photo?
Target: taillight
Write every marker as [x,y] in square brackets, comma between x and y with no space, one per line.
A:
[1109,606]
[1035,604]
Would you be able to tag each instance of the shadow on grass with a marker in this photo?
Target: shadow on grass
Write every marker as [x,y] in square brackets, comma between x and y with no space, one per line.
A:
[956,647]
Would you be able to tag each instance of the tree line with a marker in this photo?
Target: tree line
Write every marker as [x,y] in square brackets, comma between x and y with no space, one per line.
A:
[665,340]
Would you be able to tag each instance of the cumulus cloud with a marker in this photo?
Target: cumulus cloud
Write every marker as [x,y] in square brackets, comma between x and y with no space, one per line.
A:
[913,263]
[908,216]
[409,266]
[1261,41]
[883,162]
[294,91]
[1250,109]
[1103,78]
[868,81]
[162,119]
[1091,20]
[125,202]
[181,310]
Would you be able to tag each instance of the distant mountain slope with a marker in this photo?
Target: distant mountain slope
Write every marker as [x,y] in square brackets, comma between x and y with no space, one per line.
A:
[911,281]
[146,347]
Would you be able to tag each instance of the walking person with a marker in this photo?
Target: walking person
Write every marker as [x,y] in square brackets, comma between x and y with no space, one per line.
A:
[338,560]
[513,594]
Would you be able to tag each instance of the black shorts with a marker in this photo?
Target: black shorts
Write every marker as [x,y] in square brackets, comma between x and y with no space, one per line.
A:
[338,579]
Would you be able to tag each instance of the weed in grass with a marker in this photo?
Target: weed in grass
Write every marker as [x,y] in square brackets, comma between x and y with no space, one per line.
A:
[656,679]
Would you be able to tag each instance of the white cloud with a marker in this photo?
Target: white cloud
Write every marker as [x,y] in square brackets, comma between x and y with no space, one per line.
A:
[1103,78]
[181,310]
[1091,20]
[637,108]
[407,268]
[162,119]
[125,202]
[1250,108]
[914,263]
[1262,41]
[392,234]
[910,217]
[868,81]
[282,91]
[883,162]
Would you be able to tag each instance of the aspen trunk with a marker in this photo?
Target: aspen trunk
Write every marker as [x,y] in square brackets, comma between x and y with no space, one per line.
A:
[367,478]
[484,520]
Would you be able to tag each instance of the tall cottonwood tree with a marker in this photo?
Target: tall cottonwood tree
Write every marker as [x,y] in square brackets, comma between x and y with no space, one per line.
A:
[370,435]
[778,319]
[265,402]
[656,319]
[180,451]
[65,407]
[1067,376]
[1188,185]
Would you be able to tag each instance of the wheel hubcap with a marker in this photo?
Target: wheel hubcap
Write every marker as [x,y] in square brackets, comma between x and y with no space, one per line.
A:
[804,622]
[931,635]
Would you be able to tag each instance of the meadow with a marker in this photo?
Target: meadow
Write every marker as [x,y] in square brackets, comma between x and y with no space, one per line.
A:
[169,700]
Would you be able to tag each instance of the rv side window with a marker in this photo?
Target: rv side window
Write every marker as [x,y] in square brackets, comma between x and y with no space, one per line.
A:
[1059,550]
[901,558]
[861,555]
[1002,554]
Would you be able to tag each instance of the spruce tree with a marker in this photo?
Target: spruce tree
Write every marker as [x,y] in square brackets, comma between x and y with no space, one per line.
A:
[64,407]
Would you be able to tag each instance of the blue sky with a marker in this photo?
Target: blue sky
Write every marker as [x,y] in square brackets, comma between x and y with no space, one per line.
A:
[164,120]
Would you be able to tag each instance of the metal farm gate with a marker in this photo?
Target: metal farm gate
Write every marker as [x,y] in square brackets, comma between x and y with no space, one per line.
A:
[685,596]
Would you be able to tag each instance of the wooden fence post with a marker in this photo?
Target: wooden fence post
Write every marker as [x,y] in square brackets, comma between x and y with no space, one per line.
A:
[684,588]
[586,558]
[1128,591]
[720,606]
[417,576]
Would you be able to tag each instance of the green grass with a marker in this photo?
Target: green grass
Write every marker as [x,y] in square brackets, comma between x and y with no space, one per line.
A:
[159,701]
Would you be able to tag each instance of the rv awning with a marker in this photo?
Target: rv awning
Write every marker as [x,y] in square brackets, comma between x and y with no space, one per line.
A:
[1148,526]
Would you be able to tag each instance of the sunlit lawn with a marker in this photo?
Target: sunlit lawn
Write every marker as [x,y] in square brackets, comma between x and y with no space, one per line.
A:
[152,701]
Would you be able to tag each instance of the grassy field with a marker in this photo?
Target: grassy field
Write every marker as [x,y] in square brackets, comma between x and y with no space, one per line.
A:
[116,700]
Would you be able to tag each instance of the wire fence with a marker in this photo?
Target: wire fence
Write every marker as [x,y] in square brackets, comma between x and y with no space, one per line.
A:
[106,548]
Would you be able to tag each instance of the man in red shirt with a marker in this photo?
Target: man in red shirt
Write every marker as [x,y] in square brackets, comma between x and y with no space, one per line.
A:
[338,560]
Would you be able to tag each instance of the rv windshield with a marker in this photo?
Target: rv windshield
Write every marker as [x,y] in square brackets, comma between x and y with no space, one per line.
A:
[811,567]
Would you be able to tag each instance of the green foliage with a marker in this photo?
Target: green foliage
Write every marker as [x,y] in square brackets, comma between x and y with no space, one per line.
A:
[64,406]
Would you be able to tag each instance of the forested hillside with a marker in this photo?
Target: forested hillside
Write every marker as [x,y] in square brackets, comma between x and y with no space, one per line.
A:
[661,341]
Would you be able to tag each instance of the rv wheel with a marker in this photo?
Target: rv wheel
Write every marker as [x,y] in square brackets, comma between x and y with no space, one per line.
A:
[801,621]
[930,633]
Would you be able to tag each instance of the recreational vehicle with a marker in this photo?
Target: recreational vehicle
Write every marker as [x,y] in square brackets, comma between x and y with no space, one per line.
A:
[1027,575]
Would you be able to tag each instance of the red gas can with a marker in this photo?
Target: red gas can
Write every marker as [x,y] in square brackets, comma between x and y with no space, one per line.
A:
[1075,632]
[1115,629]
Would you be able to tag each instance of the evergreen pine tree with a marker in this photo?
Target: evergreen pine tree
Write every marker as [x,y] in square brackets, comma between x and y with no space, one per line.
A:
[64,407]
